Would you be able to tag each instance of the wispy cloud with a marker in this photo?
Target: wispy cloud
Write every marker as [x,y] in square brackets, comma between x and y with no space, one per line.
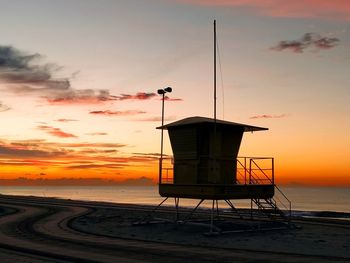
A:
[172,99]
[312,40]
[86,96]
[143,96]
[70,148]
[65,120]
[96,166]
[96,133]
[320,9]
[56,132]
[3,107]
[117,113]
[70,157]
[137,96]
[96,97]
[87,144]
[40,152]
[97,151]
[267,116]
[27,76]
[13,151]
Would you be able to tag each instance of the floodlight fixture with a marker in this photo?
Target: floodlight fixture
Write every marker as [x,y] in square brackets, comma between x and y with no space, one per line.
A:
[168,89]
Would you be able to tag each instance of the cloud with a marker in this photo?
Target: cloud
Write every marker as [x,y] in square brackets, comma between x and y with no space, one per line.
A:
[56,132]
[152,156]
[17,67]
[68,158]
[117,113]
[320,9]
[89,96]
[143,96]
[41,142]
[65,120]
[97,151]
[26,76]
[172,99]
[14,151]
[266,116]
[88,144]
[125,159]
[137,96]
[3,107]
[96,133]
[96,166]
[77,151]
[308,40]
[86,96]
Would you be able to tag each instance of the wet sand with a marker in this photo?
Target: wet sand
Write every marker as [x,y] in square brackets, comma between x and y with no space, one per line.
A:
[64,230]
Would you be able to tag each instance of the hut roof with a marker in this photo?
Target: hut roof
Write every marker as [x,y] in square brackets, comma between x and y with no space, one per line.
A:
[199,120]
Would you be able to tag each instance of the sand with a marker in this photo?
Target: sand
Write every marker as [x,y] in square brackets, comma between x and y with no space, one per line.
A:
[100,232]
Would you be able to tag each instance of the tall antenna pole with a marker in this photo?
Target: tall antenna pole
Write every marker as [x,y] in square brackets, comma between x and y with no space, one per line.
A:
[214,141]
[215,71]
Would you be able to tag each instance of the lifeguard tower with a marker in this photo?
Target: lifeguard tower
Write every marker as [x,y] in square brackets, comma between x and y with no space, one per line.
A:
[206,166]
[204,163]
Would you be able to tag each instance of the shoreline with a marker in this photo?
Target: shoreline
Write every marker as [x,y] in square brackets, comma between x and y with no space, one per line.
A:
[303,199]
[296,214]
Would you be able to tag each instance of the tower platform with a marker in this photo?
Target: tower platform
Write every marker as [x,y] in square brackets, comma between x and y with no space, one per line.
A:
[217,191]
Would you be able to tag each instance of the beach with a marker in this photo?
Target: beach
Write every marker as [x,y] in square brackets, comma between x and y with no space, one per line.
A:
[57,230]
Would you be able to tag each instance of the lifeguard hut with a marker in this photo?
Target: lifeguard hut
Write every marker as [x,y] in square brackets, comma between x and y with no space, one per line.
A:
[205,161]
[206,166]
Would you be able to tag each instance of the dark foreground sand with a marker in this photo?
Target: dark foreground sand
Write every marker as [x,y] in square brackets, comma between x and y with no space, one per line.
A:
[308,237]
[52,230]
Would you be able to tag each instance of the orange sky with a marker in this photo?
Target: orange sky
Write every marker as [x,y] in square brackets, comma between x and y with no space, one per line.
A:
[78,84]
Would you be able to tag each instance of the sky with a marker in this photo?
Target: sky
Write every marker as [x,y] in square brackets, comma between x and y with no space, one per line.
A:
[78,83]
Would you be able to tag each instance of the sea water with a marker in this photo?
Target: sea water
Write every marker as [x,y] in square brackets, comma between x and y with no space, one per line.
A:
[302,198]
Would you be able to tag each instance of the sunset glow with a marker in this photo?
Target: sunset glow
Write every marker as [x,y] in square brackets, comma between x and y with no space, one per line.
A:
[79,80]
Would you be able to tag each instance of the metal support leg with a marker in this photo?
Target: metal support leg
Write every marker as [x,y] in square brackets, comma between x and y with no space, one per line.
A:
[212,218]
[251,209]
[177,209]
[233,208]
[150,213]
[159,204]
[194,210]
[217,208]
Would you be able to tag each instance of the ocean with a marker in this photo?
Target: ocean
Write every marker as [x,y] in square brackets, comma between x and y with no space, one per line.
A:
[307,199]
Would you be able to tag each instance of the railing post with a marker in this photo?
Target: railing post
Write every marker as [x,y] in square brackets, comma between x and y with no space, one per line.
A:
[273,170]
[250,171]
[245,170]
